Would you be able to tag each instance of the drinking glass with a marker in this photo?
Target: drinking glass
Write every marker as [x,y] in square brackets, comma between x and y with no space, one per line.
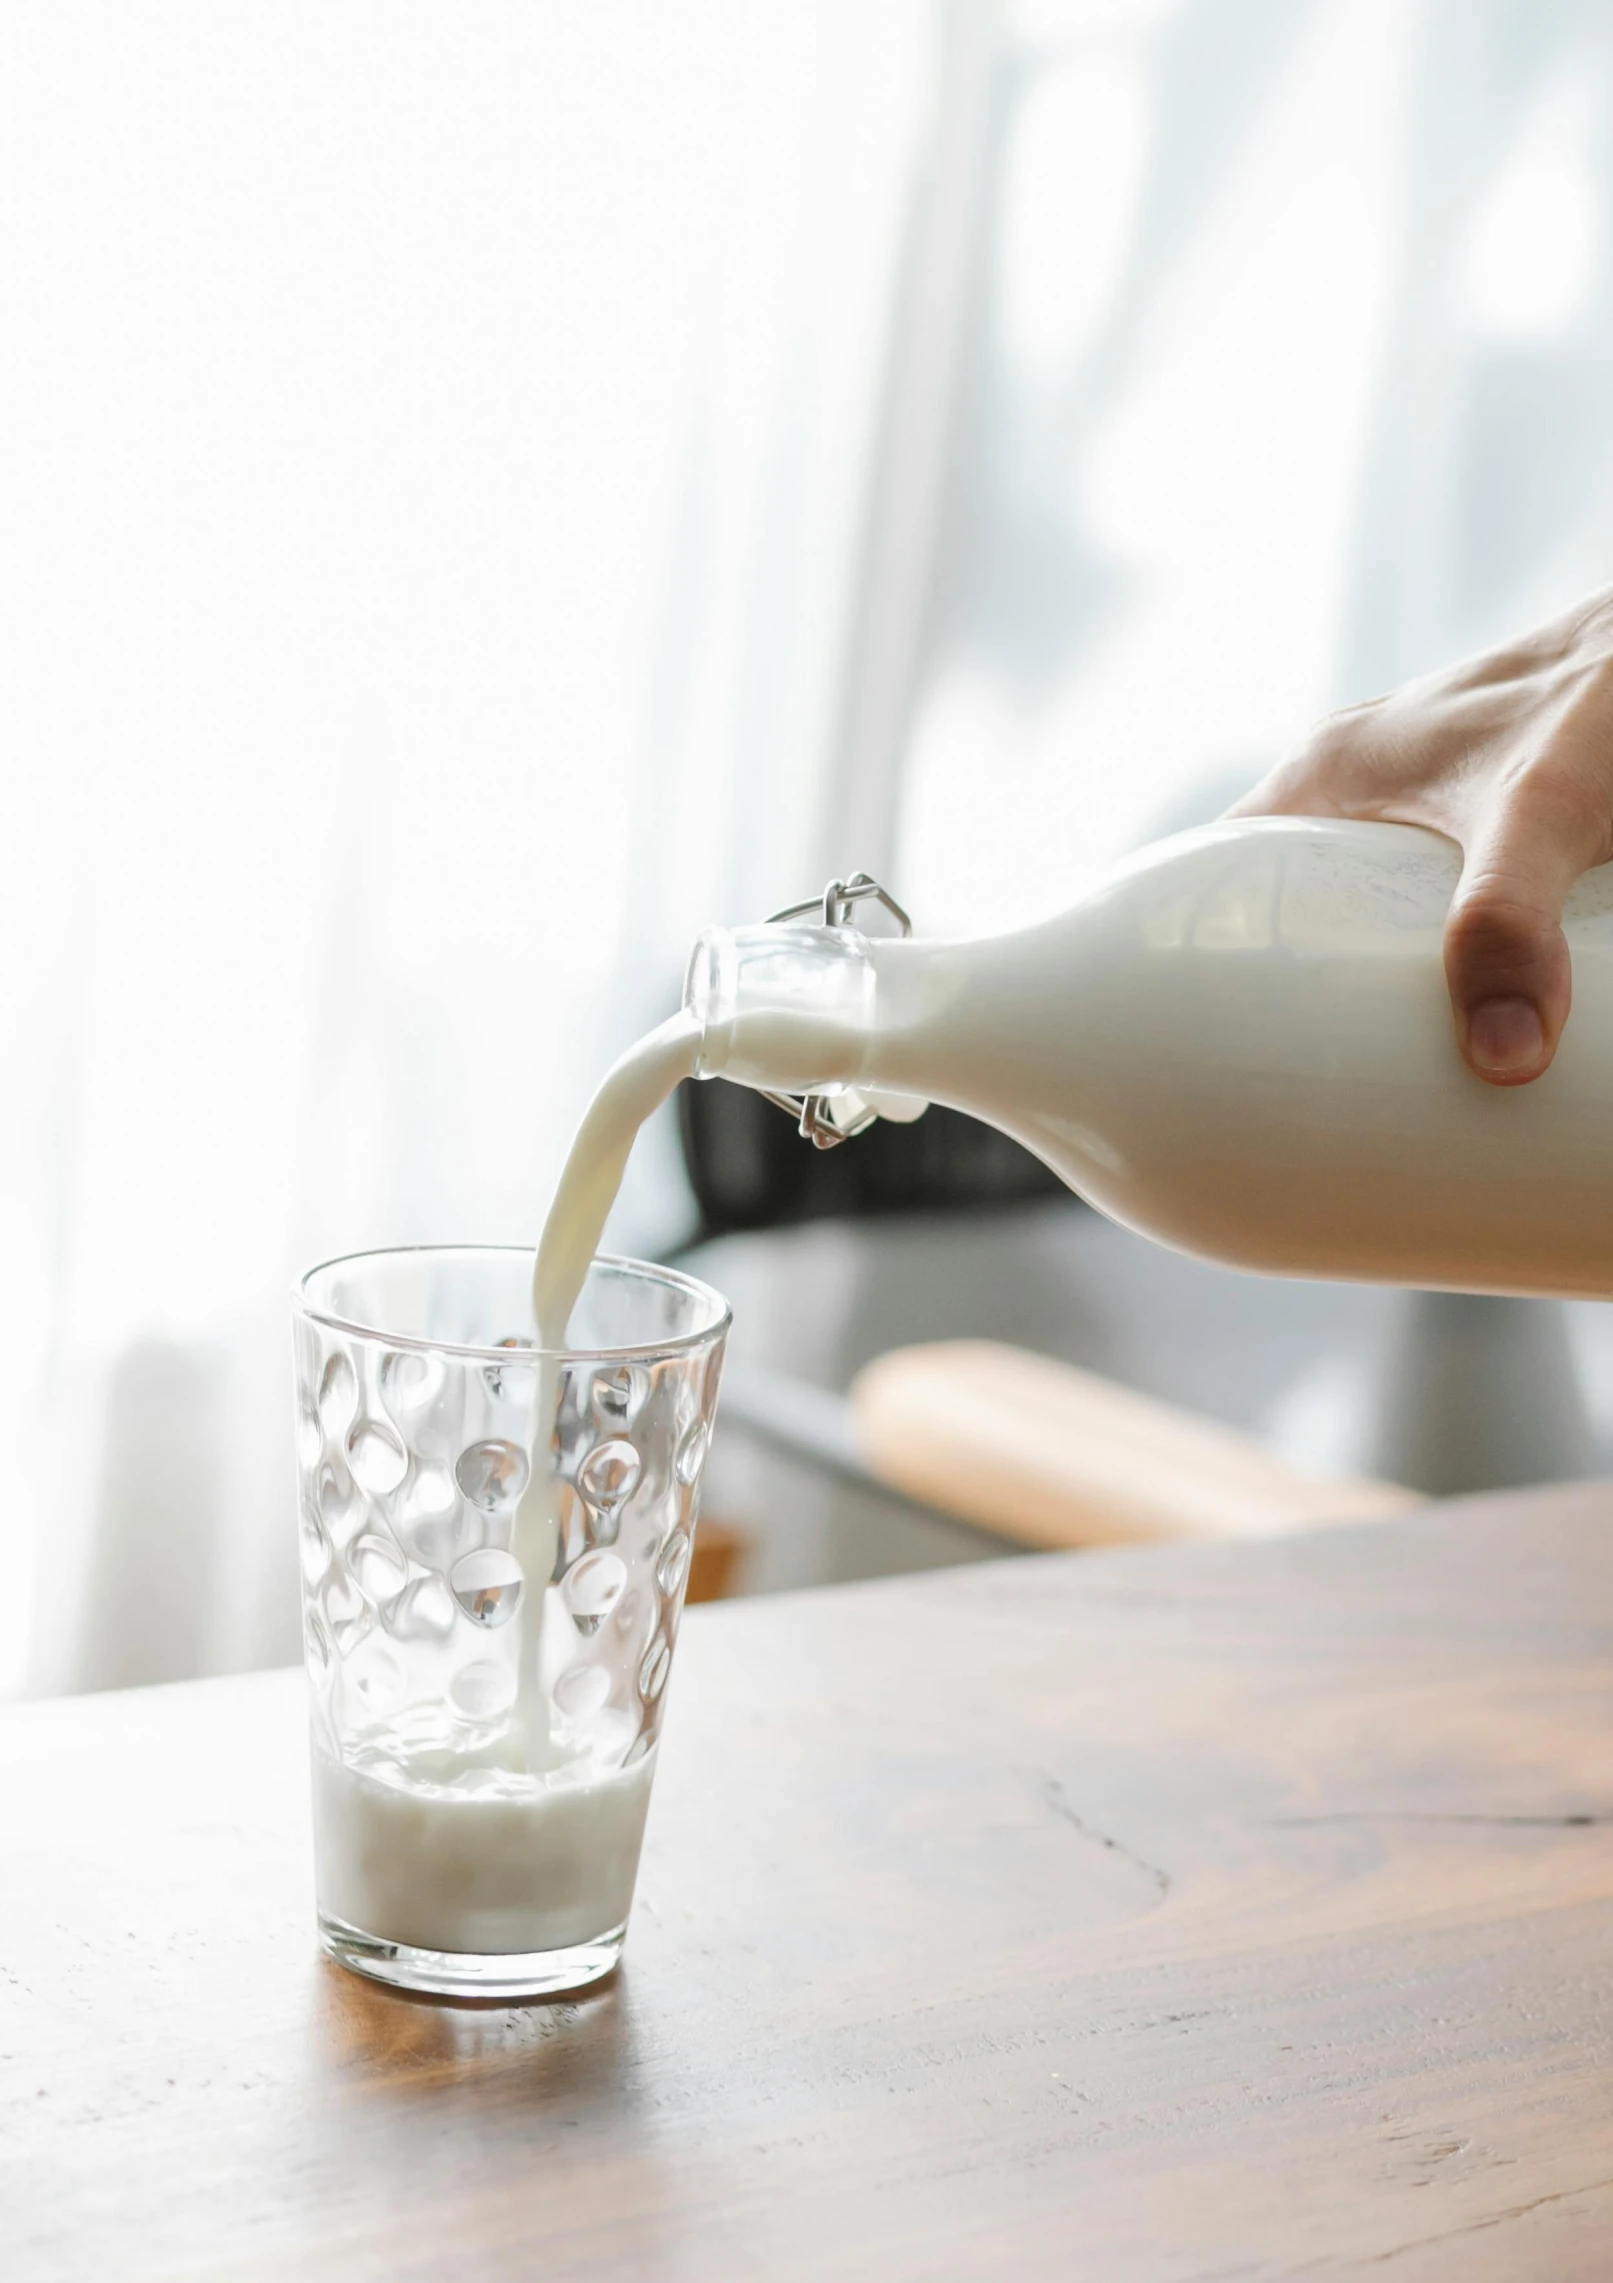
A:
[495,1542]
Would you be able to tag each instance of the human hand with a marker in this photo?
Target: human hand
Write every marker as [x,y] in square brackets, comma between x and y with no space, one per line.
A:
[1511,756]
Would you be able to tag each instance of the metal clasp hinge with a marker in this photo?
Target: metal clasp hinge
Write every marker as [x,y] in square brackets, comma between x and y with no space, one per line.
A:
[815,1114]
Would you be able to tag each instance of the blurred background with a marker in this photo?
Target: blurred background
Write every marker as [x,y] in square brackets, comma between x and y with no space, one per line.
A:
[484,491]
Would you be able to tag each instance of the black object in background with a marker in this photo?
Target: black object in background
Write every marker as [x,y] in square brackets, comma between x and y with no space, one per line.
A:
[750,1169]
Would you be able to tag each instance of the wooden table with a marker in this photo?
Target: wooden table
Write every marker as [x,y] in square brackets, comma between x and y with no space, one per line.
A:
[1180,1915]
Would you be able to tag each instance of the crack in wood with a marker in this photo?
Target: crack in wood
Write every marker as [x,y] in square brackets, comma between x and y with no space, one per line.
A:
[1059,1802]
[1435,1815]
[1343,2262]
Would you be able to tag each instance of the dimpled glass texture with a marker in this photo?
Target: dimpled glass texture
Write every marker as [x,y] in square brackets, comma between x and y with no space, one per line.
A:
[424,1410]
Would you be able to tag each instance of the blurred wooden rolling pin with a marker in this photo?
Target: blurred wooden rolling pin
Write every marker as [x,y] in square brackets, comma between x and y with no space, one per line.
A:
[1044,1453]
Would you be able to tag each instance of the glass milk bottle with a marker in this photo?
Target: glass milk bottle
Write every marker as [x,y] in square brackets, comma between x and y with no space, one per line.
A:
[1239,1043]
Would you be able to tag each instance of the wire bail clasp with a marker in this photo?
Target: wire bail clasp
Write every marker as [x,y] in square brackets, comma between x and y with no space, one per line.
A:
[816,1114]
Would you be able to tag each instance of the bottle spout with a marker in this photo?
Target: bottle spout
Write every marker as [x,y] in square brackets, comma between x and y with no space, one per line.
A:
[792,1010]
[711,996]
[781,1008]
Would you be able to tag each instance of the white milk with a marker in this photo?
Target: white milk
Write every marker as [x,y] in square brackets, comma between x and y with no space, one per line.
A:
[461,1858]
[631,1090]
[524,1838]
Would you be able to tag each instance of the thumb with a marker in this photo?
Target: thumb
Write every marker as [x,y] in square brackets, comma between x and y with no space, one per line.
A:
[1506,958]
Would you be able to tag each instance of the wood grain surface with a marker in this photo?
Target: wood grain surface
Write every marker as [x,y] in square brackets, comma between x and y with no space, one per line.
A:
[1187,1914]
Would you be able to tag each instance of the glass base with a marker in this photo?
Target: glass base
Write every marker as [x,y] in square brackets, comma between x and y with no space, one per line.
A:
[473,1974]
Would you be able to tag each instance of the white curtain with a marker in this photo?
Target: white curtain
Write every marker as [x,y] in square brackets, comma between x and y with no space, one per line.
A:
[433,454]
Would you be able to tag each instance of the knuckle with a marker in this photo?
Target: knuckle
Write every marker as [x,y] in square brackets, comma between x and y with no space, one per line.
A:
[1498,941]
[1492,919]
[1332,745]
[1322,774]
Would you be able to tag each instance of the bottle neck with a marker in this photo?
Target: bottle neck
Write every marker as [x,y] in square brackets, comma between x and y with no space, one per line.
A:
[785,1008]
[986,1026]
